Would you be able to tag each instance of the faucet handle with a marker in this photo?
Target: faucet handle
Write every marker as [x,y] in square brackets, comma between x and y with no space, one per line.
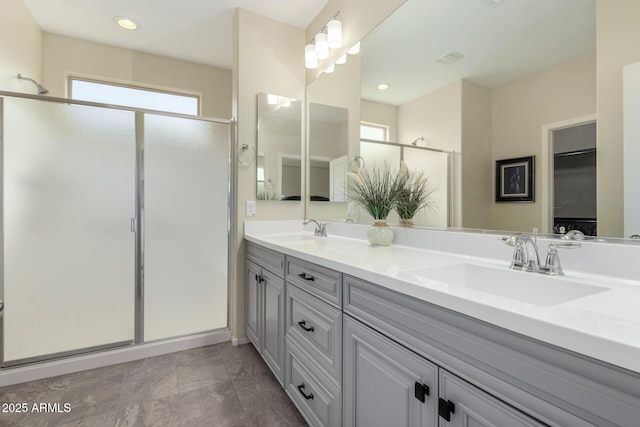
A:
[552,264]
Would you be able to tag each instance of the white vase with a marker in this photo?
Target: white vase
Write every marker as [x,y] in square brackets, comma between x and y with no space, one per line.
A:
[380,234]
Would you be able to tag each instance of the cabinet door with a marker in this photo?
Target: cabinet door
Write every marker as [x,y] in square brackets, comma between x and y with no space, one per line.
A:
[253,306]
[384,383]
[466,405]
[273,318]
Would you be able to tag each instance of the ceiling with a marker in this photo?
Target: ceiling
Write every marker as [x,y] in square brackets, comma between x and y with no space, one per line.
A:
[500,41]
[191,30]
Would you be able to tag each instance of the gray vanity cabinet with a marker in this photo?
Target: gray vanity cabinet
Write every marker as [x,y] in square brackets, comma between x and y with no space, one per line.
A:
[265,306]
[313,365]
[465,405]
[384,383]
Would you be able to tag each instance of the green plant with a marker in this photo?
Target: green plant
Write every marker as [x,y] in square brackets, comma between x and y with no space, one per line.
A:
[414,195]
[376,190]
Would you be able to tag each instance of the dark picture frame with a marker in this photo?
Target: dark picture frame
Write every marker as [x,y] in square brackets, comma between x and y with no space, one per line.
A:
[515,179]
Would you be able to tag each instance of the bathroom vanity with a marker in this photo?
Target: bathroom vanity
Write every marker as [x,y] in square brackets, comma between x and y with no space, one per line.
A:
[410,336]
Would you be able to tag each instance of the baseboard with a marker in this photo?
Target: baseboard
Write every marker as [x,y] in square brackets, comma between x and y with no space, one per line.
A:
[235,341]
[68,365]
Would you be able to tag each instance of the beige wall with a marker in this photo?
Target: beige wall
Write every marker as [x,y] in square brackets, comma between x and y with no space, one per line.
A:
[20,47]
[618,44]
[476,185]
[520,109]
[381,114]
[65,56]
[268,57]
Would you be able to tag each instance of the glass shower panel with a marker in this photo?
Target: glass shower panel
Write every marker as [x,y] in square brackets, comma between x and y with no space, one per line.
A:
[186,188]
[68,178]
[435,165]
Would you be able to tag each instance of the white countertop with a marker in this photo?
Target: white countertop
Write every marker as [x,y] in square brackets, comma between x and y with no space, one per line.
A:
[604,325]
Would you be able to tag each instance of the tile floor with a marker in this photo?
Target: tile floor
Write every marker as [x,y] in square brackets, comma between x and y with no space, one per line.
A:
[218,385]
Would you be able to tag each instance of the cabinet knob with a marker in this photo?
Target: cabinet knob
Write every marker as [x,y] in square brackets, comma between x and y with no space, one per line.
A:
[302,324]
[301,390]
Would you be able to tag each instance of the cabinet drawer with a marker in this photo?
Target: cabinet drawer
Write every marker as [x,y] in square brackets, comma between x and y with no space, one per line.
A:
[271,260]
[322,282]
[316,327]
[315,396]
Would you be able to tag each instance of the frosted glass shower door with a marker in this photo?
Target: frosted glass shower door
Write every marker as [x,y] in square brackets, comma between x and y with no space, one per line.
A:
[186,198]
[68,252]
[435,165]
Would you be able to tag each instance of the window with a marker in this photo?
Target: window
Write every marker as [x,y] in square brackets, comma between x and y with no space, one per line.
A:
[136,97]
[373,131]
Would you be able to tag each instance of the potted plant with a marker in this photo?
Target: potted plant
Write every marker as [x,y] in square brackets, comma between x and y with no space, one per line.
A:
[414,195]
[376,190]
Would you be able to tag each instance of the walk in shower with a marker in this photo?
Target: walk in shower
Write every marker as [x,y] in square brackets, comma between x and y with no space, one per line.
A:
[115,226]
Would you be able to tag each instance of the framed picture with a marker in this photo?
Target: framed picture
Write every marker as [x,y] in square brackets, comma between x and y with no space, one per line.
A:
[514,180]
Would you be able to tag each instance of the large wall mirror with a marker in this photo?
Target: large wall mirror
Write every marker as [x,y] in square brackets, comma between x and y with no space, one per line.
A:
[494,81]
[328,146]
[279,160]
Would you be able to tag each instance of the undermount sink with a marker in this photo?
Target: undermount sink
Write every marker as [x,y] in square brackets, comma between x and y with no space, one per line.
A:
[293,238]
[531,288]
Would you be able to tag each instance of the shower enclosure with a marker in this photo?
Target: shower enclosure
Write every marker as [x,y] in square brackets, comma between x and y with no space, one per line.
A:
[115,225]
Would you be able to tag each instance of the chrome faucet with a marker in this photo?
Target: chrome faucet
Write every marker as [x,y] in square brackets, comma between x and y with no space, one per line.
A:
[321,229]
[525,254]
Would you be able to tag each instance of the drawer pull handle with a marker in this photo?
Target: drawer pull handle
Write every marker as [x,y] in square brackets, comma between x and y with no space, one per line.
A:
[301,390]
[302,324]
[305,277]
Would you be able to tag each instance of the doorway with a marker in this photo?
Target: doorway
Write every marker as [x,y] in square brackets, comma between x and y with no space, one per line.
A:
[572,177]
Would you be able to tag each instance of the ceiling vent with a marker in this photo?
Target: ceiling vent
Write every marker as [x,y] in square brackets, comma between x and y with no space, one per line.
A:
[450,58]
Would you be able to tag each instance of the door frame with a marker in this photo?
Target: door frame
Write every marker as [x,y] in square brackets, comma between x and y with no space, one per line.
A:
[546,166]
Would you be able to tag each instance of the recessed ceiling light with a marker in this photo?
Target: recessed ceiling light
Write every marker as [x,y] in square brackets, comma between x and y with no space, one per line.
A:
[126,23]
[383,86]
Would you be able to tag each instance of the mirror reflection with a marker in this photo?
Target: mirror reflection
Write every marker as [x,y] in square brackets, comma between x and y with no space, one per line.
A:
[328,152]
[500,80]
[279,161]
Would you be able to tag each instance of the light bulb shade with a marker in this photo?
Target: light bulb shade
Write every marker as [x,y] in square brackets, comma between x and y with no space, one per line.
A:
[310,58]
[355,49]
[342,59]
[330,69]
[272,99]
[334,34]
[322,46]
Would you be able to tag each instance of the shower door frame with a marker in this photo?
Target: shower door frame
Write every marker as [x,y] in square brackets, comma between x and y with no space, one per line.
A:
[137,226]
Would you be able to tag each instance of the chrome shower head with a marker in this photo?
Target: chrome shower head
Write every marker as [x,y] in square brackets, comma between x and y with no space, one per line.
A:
[41,89]
[415,141]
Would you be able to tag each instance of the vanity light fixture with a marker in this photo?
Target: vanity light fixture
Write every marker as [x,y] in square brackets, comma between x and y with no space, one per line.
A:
[355,49]
[126,23]
[334,33]
[330,69]
[383,86]
[310,58]
[318,49]
[322,46]
[342,59]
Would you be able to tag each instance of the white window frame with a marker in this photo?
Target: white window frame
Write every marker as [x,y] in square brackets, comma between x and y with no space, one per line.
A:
[196,97]
[384,128]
